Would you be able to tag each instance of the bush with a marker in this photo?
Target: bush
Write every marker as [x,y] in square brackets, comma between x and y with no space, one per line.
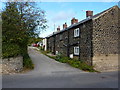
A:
[10,50]
[75,63]
[86,67]
[61,59]
[27,62]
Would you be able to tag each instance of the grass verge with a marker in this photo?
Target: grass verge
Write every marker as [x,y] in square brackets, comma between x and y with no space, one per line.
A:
[27,62]
[73,62]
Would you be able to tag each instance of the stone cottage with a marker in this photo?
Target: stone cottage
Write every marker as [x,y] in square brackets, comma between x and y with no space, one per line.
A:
[93,40]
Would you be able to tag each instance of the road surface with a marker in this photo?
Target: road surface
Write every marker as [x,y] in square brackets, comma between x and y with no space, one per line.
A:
[49,73]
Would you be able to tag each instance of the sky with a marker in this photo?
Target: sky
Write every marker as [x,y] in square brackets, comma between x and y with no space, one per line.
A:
[57,13]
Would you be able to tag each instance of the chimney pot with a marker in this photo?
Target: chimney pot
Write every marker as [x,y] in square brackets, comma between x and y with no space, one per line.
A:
[73,21]
[64,25]
[58,29]
[89,13]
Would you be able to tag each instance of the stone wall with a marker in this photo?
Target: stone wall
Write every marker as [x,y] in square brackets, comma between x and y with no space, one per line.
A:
[12,65]
[73,41]
[57,43]
[64,43]
[86,42]
[105,40]
[61,43]
[106,63]
[50,44]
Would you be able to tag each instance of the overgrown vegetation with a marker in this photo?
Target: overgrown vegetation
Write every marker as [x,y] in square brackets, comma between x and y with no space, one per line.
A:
[20,21]
[27,62]
[34,40]
[73,62]
[10,50]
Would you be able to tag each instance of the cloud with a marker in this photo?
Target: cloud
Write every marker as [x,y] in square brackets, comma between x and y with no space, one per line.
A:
[63,15]
[61,0]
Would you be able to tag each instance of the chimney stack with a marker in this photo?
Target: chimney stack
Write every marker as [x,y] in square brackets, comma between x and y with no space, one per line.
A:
[89,14]
[64,26]
[73,21]
[58,29]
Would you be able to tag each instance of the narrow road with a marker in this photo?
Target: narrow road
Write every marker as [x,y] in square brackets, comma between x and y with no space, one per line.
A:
[49,73]
[46,66]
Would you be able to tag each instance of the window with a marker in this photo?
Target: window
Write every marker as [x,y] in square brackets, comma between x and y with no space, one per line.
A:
[76,50]
[76,32]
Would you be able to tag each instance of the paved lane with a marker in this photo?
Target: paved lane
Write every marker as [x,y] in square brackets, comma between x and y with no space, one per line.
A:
[49,73]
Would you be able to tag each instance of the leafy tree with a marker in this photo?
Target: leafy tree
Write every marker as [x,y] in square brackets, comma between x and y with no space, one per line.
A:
[21,21]
[34,40]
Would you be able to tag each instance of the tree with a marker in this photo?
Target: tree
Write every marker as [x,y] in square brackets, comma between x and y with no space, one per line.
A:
[31,19]
[20,22]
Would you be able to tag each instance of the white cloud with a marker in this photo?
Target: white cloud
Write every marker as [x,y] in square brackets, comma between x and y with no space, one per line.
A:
[63,15]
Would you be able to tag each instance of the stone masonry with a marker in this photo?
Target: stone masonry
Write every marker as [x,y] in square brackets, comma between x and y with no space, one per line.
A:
[105,40]
[98,40]
[12,65]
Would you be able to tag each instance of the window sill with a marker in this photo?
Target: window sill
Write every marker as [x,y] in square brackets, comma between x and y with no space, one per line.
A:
[76,54]
[76,36]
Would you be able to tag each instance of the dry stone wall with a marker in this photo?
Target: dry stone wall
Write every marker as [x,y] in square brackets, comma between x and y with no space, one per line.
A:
[12,65]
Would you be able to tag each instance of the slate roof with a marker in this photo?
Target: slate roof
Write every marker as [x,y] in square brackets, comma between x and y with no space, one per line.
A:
[83,21]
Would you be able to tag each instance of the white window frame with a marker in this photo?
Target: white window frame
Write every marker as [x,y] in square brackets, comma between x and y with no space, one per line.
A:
[76,32]
[76,50]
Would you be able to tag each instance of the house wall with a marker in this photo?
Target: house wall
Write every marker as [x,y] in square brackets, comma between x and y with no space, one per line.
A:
[105,41]
[57,42]
[68,42]
[73,41]
[50,44]
[63,43]
[98,41]
[45,43]
[86,42]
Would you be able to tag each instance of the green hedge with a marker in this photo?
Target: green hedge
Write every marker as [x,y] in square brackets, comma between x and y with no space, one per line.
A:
[10,50]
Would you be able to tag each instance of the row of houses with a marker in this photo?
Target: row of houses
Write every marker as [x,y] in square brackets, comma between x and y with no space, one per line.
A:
[93,40]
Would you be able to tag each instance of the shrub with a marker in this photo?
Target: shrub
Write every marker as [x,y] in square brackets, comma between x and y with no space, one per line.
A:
[86,67]
[10,50]
[75,63]
[61,59]
[27,62]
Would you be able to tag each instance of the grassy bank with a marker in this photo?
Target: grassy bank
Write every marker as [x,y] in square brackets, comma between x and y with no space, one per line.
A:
[27,62]
[73,62]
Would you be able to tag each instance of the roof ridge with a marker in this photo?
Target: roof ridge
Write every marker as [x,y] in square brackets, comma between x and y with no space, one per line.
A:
[103,12]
